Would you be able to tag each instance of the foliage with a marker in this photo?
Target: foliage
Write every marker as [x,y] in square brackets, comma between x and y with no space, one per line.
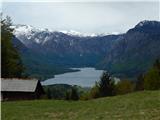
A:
[124,87]
[64,91]
[57,91]
[152,77]
[85,96]
[48,93]
[157,64]
[10,59]
[74,94]
[95,92]
[102,88]
[106,85]
[68,94]
[139,83]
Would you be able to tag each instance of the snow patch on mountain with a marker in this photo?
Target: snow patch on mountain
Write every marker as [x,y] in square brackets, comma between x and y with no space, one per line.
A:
[29,34]
[76,33]
[23,29]
[27,29]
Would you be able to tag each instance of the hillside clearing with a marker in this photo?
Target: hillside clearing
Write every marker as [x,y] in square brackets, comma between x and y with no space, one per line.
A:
[139,105]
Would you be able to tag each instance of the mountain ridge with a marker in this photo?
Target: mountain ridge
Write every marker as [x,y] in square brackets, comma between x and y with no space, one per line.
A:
[115,53]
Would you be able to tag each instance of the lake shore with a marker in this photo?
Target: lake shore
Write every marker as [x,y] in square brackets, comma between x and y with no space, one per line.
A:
[85,77]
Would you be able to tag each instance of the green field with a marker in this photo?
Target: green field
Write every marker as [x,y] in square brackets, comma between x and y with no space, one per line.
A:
[135,106]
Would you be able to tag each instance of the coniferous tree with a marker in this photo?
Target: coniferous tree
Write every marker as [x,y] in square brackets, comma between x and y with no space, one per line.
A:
[74,94]
[157,64]
[152,77]
[68,95]
[11,64]
[49,93]
[140,83]
[106,85]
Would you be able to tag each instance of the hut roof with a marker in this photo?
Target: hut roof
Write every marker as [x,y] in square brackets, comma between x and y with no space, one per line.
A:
[18,85]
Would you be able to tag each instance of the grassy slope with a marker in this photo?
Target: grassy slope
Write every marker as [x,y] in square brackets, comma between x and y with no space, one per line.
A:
[136,106]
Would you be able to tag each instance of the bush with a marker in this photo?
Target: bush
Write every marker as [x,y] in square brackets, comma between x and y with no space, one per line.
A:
[85,96]
[124,87]
[95,93]
[152,79]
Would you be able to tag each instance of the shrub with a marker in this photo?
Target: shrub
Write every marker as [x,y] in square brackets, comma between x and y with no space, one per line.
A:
[124,87]
[95,93]
[85,96]
[152,79]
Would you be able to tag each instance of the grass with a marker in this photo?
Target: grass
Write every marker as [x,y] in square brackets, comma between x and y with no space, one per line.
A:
[135,106]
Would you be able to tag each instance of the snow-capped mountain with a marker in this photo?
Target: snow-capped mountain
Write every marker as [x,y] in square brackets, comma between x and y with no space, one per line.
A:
[109,52]
[63,42]
[28,30]
[29,34]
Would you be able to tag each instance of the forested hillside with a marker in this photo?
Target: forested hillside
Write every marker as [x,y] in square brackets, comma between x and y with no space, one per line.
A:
[125,55]
[136,51]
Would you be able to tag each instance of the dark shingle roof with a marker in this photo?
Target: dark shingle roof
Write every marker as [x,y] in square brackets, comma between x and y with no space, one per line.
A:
[18,85]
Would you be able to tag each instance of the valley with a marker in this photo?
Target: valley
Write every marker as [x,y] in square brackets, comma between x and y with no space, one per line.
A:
[124,55]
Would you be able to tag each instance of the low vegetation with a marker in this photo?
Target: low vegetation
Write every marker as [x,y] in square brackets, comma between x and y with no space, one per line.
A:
[134,106]
[64,91]
[124,87]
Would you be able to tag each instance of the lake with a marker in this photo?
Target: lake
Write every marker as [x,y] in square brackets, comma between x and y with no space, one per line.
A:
[86,77]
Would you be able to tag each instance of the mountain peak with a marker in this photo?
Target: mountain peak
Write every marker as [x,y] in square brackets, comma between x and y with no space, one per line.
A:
[23,29]
[147,22]
[29,30]
[146,26]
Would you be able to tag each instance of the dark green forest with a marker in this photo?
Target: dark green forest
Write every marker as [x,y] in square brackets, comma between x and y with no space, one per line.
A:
[11,64]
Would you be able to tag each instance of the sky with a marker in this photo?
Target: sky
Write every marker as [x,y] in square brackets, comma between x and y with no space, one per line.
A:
[85,17]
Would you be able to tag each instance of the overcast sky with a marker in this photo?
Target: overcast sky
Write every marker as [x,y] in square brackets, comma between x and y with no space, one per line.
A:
[85,17]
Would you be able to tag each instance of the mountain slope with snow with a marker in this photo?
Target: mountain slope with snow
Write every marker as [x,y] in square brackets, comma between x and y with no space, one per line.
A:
[128,54]
[24,32]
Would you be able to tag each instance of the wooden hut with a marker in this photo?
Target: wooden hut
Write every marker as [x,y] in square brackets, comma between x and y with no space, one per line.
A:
[20,89]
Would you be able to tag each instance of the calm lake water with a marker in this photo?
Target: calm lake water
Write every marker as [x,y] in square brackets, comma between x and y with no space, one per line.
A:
[86,77]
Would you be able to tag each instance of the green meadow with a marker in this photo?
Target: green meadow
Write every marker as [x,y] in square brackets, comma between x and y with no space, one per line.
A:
[143,105]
